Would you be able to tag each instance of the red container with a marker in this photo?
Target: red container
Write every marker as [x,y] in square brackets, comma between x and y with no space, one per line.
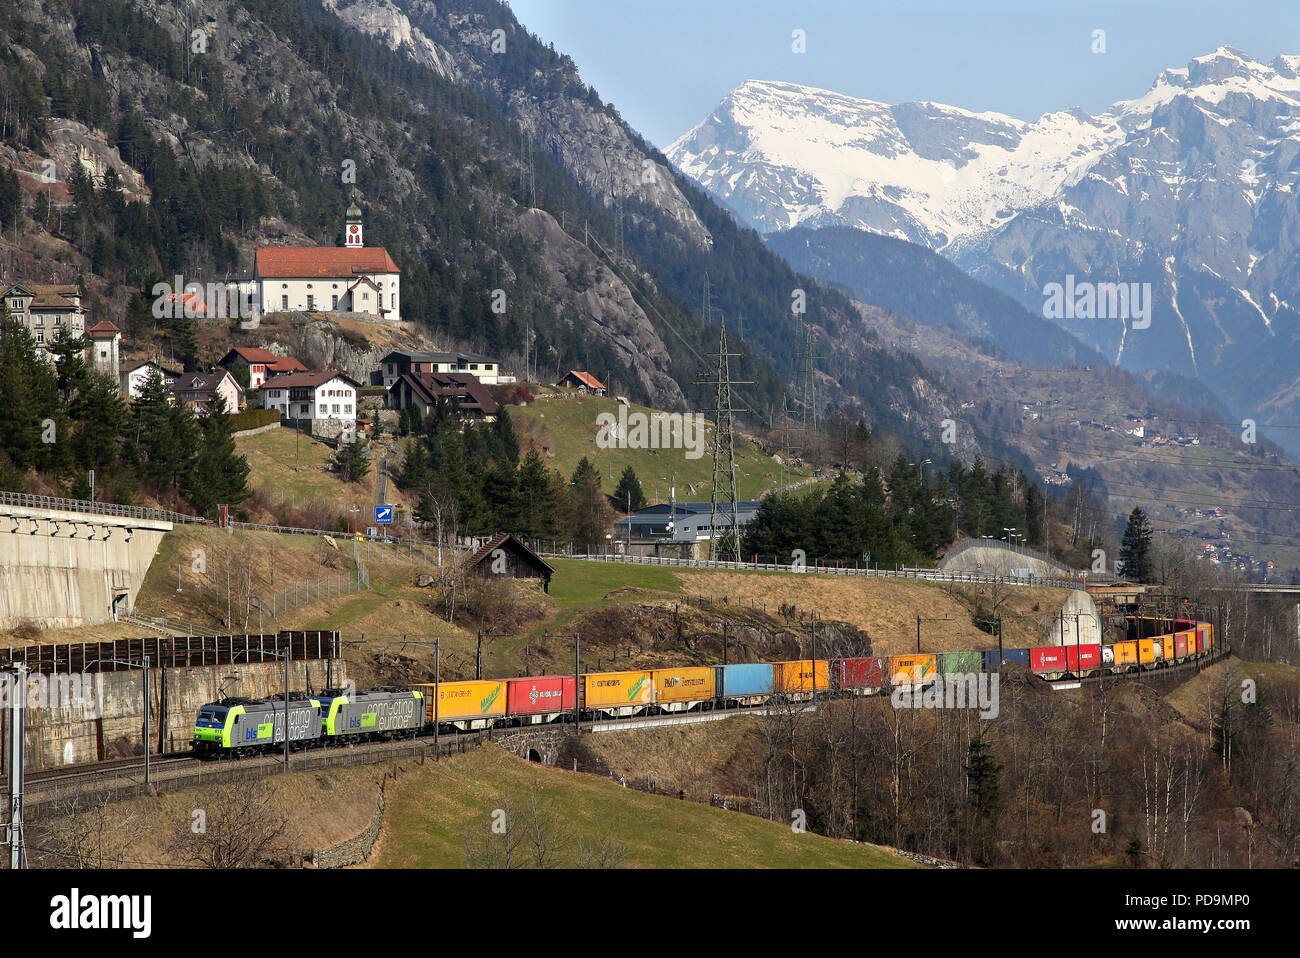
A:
[540,694]
[1180,643]
[1083,657]
[863,673]
[1049,658]
[1201,644]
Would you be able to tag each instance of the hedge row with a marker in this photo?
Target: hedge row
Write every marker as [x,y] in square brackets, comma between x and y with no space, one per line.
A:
[254,418]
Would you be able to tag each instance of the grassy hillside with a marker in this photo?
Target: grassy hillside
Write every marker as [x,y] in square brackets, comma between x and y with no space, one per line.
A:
[567,427]
[293,469]
[438,809]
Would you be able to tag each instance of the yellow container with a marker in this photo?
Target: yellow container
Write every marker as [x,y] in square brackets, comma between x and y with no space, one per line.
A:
[458,701]
[1126,653]
[798,676]
[912,669]
[1146,651]
[1167,648]
[614,689]
[684,685]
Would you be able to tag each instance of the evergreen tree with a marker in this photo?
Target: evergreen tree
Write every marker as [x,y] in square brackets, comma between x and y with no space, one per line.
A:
[351,461]
[29,400]
[220,474]
[1135,550]
[101,416]
[154,438]
[537,498]
[585,471]
[629,494]
[11,200]
[184,338]
[985,796]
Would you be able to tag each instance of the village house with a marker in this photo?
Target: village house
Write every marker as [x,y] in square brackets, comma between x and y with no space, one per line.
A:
[261,364]
[583,382]
[47,309]
[196,390]
[398,363]
[325,402]
[420,391]
[132,379]
[353,278]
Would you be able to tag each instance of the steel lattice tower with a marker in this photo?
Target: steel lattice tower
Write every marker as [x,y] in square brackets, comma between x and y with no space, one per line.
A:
[724,446]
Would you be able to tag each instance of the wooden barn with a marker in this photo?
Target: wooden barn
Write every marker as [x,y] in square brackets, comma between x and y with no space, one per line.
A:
[514,560]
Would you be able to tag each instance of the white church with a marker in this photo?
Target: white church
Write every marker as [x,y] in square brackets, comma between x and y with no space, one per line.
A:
[352,278]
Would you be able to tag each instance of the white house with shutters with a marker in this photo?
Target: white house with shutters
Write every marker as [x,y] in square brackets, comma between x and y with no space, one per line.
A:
[326,402]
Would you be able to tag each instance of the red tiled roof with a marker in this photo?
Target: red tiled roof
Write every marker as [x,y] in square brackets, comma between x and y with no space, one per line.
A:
[104,328]
[306,379]
[264,357]
[322,262]
[587,379]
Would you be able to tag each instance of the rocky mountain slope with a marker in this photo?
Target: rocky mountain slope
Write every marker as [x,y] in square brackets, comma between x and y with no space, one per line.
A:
[1190,188]
[480,158]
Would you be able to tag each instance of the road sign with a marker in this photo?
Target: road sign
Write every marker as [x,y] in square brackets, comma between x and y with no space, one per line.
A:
[383,515]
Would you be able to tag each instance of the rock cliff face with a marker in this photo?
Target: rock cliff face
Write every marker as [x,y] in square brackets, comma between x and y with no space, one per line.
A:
[600,304]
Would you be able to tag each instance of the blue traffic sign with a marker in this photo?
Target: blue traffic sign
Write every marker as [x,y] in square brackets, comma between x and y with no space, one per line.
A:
[383,515]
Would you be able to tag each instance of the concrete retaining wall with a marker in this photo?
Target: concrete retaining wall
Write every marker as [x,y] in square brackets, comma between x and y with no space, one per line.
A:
[75,733]
[64,569]
[991,557]
[1078,621]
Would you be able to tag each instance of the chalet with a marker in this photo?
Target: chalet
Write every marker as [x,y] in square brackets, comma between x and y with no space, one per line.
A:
[47,309]
[352,278]
[132,379]
[197,390]
[583,382]
[421,391]
[261,364]
[326,401]
[504,555]
[398,363]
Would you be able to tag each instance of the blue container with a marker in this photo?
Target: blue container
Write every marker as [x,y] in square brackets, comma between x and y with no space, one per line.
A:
[990,660]
[1015,655]
[738,681]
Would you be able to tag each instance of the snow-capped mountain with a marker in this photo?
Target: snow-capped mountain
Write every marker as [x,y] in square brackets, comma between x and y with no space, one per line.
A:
[1191,188]
[784,155]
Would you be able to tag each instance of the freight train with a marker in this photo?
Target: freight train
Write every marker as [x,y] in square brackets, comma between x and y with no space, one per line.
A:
[241,726]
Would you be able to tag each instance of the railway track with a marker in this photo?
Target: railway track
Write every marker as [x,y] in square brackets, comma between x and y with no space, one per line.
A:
[130,770]
[1140,674]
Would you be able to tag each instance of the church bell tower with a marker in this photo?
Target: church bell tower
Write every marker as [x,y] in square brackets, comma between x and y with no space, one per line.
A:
[352,231]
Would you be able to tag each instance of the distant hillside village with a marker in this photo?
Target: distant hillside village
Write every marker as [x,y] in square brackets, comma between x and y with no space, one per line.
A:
[354,279]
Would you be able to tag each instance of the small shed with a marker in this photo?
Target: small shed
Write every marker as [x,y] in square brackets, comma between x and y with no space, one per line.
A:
[505,555]
[583,382]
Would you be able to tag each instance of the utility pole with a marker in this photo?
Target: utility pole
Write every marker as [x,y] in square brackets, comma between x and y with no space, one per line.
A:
[146,722]
[437,693]
[577,684]
[812,626]
[18,697]
[284,655]
[478,657]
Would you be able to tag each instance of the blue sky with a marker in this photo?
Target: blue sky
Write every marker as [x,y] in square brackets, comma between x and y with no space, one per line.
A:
[666,64]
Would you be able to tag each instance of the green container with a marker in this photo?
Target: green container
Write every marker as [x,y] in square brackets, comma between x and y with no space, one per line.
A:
[955,663]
